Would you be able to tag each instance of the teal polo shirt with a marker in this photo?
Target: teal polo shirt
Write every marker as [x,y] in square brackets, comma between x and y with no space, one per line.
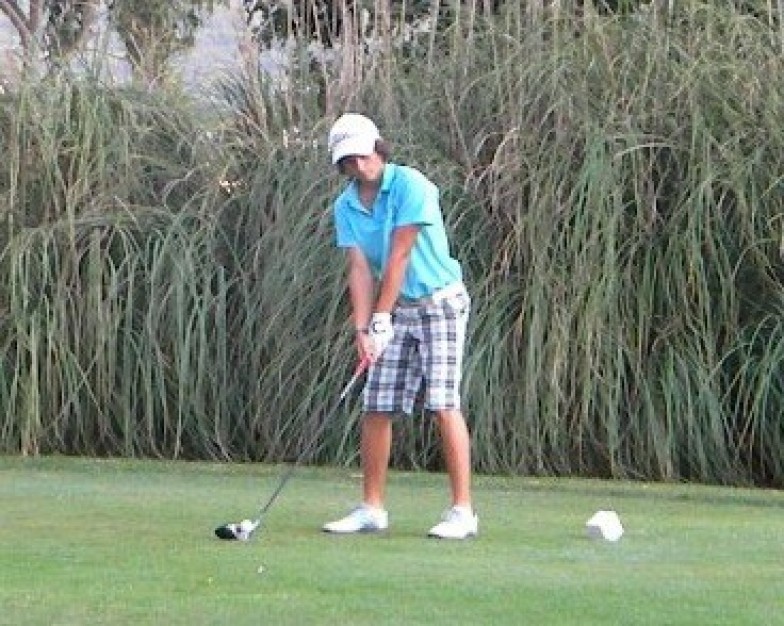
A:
[406,197]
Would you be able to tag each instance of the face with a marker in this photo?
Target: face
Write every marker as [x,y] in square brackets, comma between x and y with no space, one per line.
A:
[365,169]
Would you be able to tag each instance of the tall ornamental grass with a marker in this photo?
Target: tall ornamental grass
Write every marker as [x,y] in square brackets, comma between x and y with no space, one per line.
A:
[632,172]
[612,183]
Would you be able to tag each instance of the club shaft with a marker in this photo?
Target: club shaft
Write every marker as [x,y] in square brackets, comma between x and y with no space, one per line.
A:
[325,421]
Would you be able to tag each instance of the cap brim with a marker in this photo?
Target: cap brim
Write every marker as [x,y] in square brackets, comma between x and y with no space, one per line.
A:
[353,146]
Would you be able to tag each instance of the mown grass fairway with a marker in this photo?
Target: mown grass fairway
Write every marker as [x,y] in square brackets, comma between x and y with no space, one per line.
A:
[130,542]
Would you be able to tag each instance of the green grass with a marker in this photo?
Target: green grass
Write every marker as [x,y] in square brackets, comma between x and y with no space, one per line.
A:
[130,542]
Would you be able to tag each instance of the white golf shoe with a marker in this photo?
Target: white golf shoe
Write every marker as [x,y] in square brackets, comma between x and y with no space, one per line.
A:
[363,519]
[456,523]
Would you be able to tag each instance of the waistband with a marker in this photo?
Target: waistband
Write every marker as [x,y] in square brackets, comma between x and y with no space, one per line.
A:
[438,296]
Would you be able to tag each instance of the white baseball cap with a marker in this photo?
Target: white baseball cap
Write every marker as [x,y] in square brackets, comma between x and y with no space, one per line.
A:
[352,135]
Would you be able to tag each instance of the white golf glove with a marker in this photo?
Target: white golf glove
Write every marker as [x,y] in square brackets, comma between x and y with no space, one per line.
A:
[381,331]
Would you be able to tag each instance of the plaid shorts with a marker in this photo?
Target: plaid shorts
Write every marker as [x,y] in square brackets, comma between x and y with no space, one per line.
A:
[426,353]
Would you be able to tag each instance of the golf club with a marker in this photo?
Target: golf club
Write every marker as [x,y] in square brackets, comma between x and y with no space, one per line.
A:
[242,531]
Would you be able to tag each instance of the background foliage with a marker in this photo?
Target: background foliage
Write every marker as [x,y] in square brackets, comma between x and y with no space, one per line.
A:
[612,181]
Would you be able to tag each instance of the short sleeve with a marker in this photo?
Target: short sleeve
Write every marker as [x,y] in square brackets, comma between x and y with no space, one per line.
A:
[416,202]
[345,237]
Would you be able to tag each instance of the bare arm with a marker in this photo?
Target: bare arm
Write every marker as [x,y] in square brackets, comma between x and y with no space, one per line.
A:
[403,239]
[360,287]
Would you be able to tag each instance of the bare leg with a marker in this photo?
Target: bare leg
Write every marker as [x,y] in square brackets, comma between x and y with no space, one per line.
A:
[376,440]
[457,452]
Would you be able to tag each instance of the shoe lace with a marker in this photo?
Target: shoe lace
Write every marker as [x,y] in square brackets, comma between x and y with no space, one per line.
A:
[358,511]
[452,515]
[363,511]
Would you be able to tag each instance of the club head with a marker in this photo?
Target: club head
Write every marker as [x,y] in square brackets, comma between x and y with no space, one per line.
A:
[237,532]
[227,532]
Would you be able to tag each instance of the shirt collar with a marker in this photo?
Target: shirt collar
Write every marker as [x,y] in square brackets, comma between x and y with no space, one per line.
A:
[387,177]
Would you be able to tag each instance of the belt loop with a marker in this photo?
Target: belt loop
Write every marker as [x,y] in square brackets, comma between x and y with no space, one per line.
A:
[447,292]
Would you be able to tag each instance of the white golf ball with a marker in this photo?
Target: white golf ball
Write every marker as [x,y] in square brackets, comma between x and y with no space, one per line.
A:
[246,526]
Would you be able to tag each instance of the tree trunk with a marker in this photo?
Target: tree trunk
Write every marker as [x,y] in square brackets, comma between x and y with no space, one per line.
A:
[24,25]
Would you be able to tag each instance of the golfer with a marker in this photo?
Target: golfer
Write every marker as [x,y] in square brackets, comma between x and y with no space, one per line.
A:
[409,308]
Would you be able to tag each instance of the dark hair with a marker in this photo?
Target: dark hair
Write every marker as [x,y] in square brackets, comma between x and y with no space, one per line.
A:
[383,149]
